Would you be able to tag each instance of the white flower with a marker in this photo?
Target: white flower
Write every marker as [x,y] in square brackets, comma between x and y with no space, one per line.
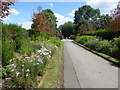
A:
[50,51]
[27,57]
[10,60]
[22,69]
[22,65]
[14,65]
[37,63]
[49,56]
[17,73]
[39,51]
[12,70]
[27,70]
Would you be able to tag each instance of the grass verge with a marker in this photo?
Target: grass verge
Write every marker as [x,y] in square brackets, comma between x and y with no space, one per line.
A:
[53,77]
[109,58]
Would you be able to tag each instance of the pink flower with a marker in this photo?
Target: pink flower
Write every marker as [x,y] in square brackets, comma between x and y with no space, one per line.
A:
[27,75]
[39,60]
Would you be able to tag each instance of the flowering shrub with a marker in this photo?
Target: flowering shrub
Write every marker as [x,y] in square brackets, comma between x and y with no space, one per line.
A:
[25,69]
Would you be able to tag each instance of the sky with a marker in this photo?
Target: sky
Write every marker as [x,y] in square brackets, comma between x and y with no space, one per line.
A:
[21,12]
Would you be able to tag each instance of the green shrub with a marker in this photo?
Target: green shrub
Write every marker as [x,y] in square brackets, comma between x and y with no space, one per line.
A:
[84,39]
[104,46]
[8,50]
[55,40]
[117,41]
[103,33]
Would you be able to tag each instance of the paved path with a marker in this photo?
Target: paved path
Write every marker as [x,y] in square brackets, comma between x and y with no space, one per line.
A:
[83,69]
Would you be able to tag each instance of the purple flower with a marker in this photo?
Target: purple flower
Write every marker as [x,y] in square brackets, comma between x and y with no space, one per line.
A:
[39,60]
[12,70]
[32,56]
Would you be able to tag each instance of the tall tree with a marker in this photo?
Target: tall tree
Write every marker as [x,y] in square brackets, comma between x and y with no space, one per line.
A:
[44,21]
[67,29]
[102,21]
[85,14]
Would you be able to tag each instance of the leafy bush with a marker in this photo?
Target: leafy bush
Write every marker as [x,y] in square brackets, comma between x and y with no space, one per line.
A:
[103,46]
[15,39]
[115,50]
[84,39]
[103,33]
[8,50]
[117,41]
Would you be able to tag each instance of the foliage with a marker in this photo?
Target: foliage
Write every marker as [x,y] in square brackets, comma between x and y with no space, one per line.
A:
[103,33]
[117,41]
[23,70]
[15,40]
[114,25]
[67,29]
[4,10]
[83,39]
[103,46]
[85,14]
[44,21]
[102,21]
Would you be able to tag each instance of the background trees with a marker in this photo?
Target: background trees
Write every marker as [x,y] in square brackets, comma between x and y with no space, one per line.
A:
[85,14]
[67,29]
[44,21]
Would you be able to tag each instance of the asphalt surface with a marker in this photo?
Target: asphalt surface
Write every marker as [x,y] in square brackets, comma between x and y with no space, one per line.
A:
[83,69]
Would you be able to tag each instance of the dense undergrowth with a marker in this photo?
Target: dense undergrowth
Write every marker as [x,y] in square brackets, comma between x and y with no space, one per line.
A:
[24,55]
[97,43]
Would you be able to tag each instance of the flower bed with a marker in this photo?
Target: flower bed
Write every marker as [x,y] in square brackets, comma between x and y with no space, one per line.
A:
[23,70]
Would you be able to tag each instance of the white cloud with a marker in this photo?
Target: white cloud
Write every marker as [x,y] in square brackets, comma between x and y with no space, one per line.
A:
[72,13]
[13,11]
[62,19]
[51,4]
[6,19]
[26,25]
[103,4]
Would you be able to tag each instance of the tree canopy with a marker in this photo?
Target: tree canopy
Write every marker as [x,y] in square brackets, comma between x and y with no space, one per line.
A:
[44,21]
[85,14]
[67,29]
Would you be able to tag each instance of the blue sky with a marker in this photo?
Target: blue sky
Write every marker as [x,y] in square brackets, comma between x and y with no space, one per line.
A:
[21,12]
